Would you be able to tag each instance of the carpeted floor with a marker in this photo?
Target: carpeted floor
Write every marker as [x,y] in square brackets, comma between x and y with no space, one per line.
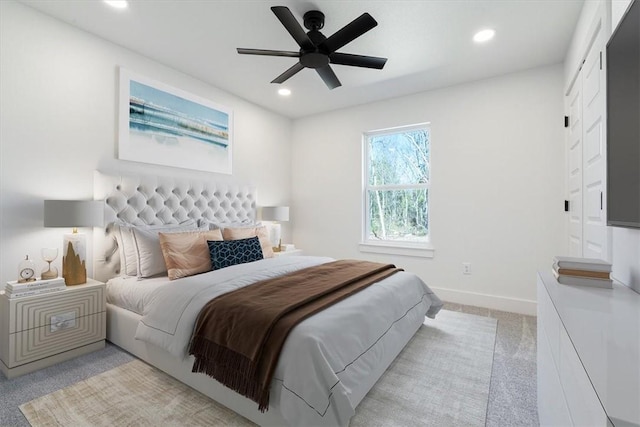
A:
[17,391]
[441,377]
[512,397]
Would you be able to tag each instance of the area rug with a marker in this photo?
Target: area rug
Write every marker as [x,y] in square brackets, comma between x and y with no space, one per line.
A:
[441,378]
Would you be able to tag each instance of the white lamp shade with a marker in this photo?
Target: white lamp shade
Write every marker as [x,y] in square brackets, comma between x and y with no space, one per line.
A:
[73,213]
[275,213]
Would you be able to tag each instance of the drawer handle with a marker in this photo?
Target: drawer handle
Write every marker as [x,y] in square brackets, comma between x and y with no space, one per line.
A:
[62,321]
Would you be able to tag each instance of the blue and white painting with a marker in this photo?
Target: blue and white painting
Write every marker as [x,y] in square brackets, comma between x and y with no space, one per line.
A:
[166,126]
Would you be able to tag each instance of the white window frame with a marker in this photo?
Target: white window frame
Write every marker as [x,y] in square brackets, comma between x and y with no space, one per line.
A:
[417,249]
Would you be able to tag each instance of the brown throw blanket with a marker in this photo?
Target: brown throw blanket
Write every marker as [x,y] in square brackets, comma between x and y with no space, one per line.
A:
[239,335]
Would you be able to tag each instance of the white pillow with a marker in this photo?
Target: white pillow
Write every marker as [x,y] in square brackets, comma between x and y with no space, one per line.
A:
[149,258]
[126,250]
[127,247]
[216,225]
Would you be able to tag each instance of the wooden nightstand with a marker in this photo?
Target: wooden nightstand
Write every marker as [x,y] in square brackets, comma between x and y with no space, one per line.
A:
[42,330]
[293,252]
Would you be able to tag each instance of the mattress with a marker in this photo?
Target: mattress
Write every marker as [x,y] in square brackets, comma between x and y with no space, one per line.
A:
[131,293]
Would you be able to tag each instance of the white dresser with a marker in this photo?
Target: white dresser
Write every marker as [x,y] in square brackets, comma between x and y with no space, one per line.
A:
[588,355]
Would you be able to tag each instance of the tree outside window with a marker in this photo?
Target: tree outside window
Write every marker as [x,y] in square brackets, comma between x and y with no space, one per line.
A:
[397,168]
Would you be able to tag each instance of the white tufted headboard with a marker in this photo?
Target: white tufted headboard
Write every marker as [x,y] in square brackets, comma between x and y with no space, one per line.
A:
[153,200]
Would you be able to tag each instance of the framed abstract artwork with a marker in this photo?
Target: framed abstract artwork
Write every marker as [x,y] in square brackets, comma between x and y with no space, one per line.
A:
[163,125]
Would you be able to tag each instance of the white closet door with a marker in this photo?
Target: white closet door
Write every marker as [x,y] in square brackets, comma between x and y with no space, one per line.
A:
[574,156]
[595,233]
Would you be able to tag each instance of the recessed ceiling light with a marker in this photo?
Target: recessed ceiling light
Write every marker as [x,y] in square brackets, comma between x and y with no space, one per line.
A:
[484,36]
[284,92]
[118,4]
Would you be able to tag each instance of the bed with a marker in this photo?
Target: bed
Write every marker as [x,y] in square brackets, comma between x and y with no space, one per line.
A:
[328,362]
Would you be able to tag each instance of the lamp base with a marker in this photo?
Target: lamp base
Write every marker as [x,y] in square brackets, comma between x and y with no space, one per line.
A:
[274,236]
[74,268]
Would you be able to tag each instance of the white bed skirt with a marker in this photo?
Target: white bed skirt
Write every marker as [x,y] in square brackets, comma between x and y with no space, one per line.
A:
[121,328]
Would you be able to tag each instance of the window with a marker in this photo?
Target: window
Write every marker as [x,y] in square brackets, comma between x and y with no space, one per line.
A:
[396,190]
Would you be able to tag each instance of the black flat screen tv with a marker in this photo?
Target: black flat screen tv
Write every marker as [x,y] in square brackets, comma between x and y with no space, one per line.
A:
[623,121]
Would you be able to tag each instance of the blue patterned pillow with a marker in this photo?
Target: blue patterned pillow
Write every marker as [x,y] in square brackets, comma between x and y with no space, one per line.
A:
[225,253]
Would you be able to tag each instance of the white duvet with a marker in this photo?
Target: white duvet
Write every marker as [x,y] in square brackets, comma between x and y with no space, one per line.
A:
[330,360]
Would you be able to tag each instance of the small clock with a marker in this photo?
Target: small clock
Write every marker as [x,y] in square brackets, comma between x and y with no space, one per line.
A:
[26,270]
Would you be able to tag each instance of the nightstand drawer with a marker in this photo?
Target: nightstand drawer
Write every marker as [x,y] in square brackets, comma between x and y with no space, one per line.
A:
[37,343]
[35,312]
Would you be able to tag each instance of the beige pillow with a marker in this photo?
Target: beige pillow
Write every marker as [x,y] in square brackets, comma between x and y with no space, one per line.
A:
[247,232]
[186,254]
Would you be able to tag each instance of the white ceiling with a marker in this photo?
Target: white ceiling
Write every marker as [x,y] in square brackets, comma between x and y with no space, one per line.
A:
[428,43]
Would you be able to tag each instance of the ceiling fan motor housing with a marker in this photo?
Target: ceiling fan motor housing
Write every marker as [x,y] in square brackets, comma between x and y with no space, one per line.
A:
[316,58]
[313,20]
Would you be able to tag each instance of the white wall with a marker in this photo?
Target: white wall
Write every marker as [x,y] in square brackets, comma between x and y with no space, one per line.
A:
[58,123]
[625,242]
[618,8]
[580,40]
[496,195]
[626,257]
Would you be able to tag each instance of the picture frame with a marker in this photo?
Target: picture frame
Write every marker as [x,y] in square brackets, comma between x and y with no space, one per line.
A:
[163,125]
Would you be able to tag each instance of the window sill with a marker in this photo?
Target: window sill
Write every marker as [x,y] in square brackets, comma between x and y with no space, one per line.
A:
[420,251]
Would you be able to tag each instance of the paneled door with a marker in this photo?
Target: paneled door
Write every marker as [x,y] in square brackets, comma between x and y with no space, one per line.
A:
[574,156]
[594,231]
[589,235]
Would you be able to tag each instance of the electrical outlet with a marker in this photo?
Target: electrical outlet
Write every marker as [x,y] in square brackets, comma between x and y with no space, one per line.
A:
[466,268]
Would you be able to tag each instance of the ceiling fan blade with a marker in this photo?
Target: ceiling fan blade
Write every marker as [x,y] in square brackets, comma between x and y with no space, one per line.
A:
[329,77]
[288,74]
[357,60]
[349,32]
[267,52]
[293,27]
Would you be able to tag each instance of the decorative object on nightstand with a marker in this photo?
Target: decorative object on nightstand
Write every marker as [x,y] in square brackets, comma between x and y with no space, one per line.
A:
[26,270]
[47,328]
[74,214]
[275,214]
[49,255]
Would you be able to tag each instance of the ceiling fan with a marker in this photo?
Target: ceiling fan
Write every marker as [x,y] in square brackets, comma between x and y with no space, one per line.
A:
[318,51]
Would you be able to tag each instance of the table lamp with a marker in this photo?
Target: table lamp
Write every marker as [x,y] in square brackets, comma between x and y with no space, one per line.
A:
[74,214]
[275,214]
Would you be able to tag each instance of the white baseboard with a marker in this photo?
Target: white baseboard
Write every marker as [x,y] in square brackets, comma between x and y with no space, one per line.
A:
[512,305]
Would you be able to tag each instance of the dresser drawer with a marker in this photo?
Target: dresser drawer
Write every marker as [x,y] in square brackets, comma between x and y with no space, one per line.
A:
[34,312]
[584,406]
[548,318]
[37,343]
[552,407]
